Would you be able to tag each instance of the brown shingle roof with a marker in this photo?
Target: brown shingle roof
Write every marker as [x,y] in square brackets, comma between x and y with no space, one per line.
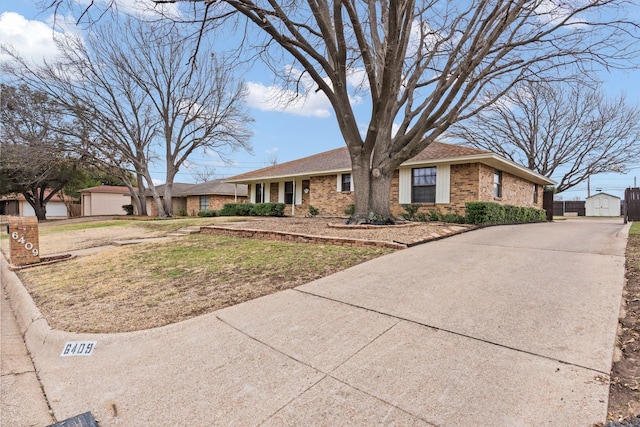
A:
[440,150]
[58,197]
[338,160]
[105,189]
[216,187]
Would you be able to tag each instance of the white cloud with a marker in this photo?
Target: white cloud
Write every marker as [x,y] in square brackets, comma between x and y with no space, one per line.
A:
[275,98]
[310,103]
[553,12]
[31,39]
[139,8]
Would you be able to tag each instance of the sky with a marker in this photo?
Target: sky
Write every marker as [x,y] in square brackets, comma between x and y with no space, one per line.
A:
[302,129]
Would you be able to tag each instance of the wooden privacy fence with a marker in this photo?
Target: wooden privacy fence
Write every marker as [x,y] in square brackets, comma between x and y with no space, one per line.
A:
[562,207]
[632,204]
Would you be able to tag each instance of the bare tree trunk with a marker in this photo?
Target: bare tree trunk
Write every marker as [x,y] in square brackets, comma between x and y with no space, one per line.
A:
[40,210]
[159,204]
[140,207]
[141,197]
[379,195]
[361,178]
[154,193]
[168,190]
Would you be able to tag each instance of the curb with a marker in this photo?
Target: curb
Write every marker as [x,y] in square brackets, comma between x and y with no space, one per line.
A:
[33,326]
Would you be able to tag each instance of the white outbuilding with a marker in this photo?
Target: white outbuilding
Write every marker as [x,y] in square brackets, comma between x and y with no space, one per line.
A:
[602,204]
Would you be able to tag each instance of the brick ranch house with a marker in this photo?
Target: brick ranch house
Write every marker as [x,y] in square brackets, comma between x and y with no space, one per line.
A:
[443,177]
[189,199]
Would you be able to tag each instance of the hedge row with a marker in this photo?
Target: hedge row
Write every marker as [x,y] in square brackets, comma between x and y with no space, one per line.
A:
[246,209]
[494,213]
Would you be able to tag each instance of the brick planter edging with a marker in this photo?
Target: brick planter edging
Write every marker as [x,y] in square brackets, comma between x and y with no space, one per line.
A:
[326,240]
[297,238]
[370,226]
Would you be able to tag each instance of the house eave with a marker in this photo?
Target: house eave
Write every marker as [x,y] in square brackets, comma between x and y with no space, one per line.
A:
[489,159]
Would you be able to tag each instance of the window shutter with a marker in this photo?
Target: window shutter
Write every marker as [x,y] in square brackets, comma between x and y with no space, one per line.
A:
[298,185]
[443,183]
[266,187]
[404,186]
[338,183]
[281,192]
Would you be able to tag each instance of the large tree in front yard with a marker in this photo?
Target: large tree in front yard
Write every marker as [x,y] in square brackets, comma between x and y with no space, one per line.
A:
[38,158]
[131,85]
[421,64]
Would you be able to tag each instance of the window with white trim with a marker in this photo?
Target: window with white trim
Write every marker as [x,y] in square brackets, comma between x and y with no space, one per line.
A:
[497,183]
[423,185]
[345,182]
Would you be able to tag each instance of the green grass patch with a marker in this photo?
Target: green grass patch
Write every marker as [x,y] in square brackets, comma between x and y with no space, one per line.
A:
[205,254]
[635,229]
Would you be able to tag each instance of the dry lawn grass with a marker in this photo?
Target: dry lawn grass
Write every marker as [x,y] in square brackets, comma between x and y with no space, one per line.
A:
[152,284]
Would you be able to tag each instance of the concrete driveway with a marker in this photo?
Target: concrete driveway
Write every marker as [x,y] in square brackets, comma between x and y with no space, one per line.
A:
[503,326]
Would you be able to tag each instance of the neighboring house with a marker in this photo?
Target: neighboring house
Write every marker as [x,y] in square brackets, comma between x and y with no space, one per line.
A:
[104,200]
[17,205]
[602,204]
[190,199]
[443,177]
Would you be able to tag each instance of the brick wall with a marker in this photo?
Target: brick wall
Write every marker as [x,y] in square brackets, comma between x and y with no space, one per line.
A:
[515,191]
[464,187]
[24,244]
[216,202]
[325,197]
[273,192]
[299,238]
[469,182]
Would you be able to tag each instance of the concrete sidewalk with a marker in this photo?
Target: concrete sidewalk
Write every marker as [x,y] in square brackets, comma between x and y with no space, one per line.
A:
[504,326]
[23,403]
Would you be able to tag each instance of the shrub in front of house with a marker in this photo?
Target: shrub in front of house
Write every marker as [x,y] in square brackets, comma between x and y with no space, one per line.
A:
[128,209]
[495,213]
[267,209]
[411,211]
[235,209]
[350,210]
[207,213]
[252,209]
[412,214]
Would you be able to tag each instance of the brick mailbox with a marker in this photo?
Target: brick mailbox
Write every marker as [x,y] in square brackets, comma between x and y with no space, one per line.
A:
[23,240]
